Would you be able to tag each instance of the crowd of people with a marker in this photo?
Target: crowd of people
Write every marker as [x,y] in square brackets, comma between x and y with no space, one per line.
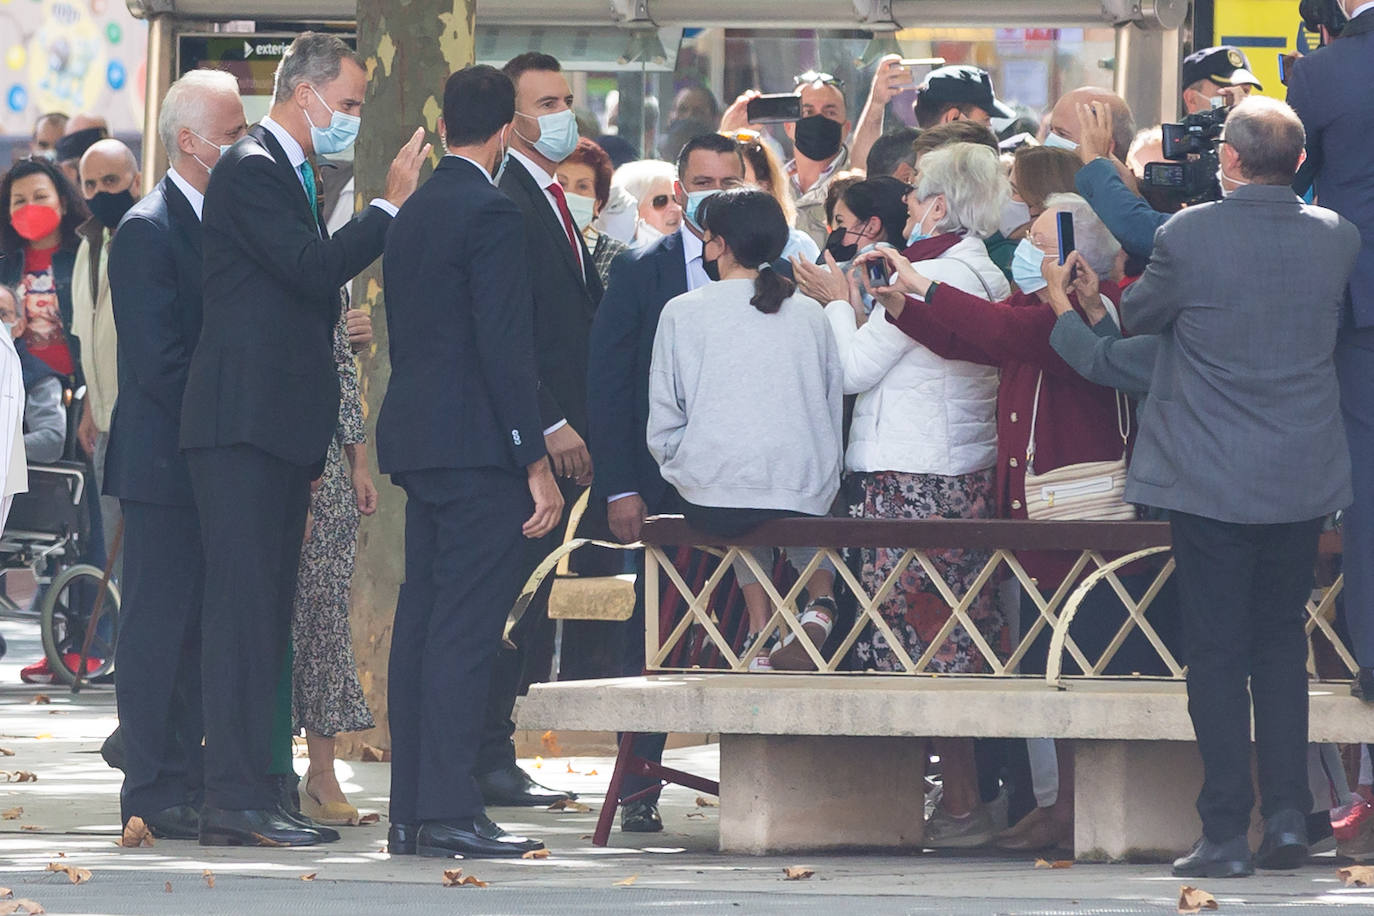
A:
[885,323]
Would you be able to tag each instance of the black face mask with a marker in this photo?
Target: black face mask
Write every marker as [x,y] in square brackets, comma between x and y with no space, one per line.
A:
[818,138]
[835,244]
[110,208]
[712,269]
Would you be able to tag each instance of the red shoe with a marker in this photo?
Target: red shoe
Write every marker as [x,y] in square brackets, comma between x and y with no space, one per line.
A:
[40,672]
[1346,826]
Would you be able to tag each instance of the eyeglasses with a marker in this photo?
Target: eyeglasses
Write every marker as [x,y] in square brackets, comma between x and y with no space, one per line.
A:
[659,201]
[812,77]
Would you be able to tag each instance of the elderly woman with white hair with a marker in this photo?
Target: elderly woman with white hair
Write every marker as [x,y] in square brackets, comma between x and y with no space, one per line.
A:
[923,444]
[650,183]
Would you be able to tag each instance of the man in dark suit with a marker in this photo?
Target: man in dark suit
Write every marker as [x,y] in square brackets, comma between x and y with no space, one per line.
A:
[261,405]
[154,266]
[471,458]
[566,289]
[1329,89]
[622,341]
[1241,440]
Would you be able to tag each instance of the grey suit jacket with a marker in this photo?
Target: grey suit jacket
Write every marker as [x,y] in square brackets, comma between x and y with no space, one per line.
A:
[1243,421]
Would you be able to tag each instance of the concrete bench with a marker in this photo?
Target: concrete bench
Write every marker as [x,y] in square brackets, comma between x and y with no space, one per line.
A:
[832,759]
[819,762]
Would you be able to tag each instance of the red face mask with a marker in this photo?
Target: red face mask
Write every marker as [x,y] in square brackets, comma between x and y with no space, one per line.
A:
[35,221]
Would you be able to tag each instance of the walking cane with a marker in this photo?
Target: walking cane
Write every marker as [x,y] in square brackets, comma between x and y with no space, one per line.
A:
[99,605]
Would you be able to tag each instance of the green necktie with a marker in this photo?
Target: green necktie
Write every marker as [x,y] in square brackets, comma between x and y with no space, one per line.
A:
[311,188]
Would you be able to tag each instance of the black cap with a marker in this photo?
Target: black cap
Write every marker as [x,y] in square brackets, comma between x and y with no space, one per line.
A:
[74,146]
[1225,65]
[963,85]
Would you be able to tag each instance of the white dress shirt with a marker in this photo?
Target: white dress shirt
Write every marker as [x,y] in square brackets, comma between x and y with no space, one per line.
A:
[295,155]
[1361,9]
[193,196]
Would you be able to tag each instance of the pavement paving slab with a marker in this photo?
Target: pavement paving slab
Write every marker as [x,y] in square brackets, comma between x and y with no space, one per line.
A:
[70,816]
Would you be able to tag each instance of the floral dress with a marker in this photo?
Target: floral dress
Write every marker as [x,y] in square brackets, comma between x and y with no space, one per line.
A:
[327,697]
[914,608]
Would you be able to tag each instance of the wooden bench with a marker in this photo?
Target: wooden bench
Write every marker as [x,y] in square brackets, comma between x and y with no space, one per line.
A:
[832,759]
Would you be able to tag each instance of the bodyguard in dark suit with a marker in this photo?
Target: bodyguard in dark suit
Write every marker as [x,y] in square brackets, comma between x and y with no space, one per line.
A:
[1241,440]
[460,432]
[155,264]
[261,405]
[1329,89]
[566,290]
[628,481]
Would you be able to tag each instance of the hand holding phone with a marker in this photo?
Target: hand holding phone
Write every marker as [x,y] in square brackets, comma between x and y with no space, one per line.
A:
[1064,224]
[773,109]
[877,272]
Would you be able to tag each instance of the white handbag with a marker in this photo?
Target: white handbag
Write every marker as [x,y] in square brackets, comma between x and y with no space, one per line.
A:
[1087,491]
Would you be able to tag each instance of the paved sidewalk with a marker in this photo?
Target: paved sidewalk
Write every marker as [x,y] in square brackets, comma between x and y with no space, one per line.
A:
[74,807]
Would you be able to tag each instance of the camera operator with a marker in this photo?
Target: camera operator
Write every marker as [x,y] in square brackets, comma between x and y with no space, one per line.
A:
[1329,89]
[1241,441]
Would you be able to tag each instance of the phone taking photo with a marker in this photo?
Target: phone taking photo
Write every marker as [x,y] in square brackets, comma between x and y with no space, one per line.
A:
[1283,77]
[773,109]
[1064,223]
[877,272]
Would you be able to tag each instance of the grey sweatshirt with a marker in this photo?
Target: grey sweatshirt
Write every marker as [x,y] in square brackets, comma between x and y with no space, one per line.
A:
[745,408]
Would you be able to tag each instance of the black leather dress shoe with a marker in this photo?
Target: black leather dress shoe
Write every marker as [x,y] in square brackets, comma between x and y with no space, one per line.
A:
[288,792]
[256,827]
[112,750]
[179,822]
[512,787]
[1363,687]
[400,839]
[1285,840]
[327,834]
[1230,859]
[471,838]
[640,817]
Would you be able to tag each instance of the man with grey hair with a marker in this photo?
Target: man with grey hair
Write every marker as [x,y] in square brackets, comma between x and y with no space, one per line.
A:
[155,291]
[261,407]
[1242,442]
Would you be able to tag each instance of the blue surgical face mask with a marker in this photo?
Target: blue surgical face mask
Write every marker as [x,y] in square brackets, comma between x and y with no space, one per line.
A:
[583,209]
[694,201]
[1025,267]
[557,134]
[222,147]
[338,136]
[918,234]
[1052,139]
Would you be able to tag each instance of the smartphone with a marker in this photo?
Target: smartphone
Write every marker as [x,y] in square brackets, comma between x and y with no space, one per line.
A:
[1064,222]
[877,272]
[772,109]
[911,63]
[1283,77]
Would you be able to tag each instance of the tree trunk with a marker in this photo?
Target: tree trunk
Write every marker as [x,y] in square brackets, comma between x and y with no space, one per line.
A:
[410,47]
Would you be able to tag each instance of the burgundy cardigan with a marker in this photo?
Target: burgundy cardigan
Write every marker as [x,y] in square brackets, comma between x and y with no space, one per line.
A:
[1077,419]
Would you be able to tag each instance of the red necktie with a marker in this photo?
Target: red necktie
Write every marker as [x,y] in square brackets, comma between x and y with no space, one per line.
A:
[557,191]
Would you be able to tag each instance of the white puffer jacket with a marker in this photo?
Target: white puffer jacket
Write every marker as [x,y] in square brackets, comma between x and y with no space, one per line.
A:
[917,412]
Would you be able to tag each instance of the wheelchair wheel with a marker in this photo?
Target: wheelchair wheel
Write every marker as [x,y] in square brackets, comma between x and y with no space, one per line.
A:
[66,610]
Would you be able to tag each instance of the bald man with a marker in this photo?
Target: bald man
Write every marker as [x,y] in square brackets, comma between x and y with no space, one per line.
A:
[110,182]
[1066,129]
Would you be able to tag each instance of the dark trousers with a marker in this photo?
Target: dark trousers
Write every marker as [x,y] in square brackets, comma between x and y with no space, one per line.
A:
[158,690]
[1242,591]
[465,562]
[252,520]
[1355,369]
[532,655]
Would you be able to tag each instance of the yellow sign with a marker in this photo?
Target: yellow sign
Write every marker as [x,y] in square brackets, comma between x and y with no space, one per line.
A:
[1262,29]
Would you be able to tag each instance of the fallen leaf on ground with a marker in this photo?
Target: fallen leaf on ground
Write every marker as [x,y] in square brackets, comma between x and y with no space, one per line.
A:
[590,773]
[13,814]
[696,814]
[367,819]
[372,754]
[538,762]
[43,737]
[1192,900]
[571,770]
[41,699]
[136,833]
[168,887]
[77,875]
[20,776]
[704,802]
[586,836]
[550,742]
[30,827]
[567,804]
[6,752]
[309,877]
[626,882]
[797,872]
[22,905]
[266,840]
[454,877]
[209,877]
[536,854]
[1057,863]
[1358,875]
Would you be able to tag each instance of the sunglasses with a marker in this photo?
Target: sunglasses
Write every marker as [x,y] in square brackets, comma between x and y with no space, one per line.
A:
[660,201]
[811,77]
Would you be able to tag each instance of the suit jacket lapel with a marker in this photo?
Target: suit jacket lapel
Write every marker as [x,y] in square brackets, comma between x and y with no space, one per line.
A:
[552,223]
[269,143]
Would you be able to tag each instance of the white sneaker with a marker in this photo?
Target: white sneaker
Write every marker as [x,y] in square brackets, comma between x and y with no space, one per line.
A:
[944,831]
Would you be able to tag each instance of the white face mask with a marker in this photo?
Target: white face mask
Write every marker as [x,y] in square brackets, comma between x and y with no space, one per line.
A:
[1015,214]
[1223,178]
[1052,139]
[583,210]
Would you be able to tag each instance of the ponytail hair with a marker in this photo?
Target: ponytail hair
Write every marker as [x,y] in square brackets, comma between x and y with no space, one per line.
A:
[752,225]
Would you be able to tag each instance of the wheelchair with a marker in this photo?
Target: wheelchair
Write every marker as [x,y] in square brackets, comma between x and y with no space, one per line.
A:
[46,533]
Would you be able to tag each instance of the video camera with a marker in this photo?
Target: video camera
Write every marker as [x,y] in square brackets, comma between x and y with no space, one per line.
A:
[1191,148]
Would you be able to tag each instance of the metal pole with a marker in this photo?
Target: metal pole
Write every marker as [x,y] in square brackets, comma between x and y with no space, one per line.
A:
[161,62]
